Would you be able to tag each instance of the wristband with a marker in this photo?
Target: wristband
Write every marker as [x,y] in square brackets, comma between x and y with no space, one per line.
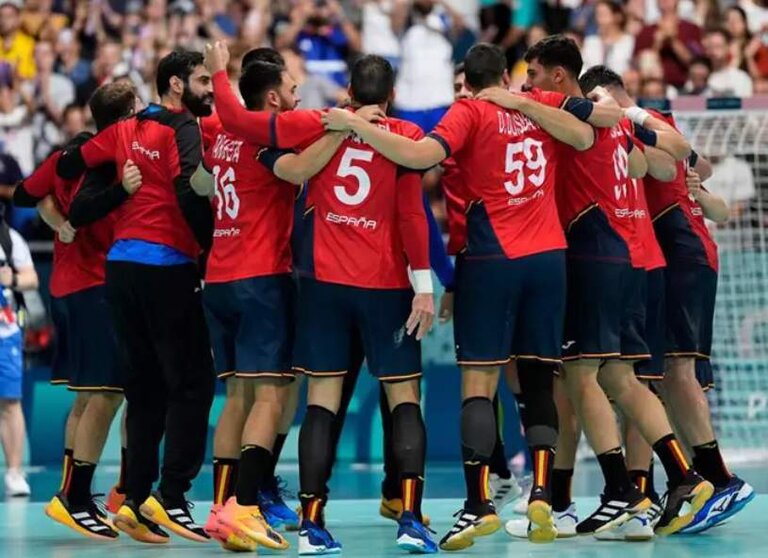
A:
[637,115]
[422,281]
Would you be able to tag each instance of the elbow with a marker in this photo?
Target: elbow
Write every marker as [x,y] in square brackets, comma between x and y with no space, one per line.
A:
[584,140]
[681,149]
[664,174]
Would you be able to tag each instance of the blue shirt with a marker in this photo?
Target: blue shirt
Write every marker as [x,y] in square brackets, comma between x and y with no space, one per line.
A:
[326,54]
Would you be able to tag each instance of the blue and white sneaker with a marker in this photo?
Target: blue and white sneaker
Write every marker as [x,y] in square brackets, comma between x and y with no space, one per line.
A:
[413,536]
[315,540]
[724,504]
[275,510]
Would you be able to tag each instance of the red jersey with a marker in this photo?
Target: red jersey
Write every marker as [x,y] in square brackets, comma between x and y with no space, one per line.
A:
[210,126]
[364,218]
[79,265]
[253,212]
[455,206]
[510,165]
[678,219]
[598,180]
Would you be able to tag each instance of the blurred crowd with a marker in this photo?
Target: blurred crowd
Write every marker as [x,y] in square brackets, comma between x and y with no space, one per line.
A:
[54,53]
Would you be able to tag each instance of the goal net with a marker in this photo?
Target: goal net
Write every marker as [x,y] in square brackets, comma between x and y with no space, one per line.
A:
[736,141]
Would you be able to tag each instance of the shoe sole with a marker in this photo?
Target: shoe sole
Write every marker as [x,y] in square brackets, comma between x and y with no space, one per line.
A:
[644,505]
[488,526]
[239,532]
[131,527]
[161,518]
[56,511]
[698,499]
[414,546]
[542,529]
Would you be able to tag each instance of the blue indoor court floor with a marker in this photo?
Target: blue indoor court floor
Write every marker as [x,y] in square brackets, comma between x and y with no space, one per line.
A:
[353,519]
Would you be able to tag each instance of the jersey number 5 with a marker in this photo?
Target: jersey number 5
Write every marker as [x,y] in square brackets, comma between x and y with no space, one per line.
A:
[348,168]
[533,160]
[226,196]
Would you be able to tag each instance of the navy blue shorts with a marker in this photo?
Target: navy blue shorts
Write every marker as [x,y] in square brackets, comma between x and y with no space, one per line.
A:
[86,356]
[251,323]
[331,316]
[704,374]
[507,309]
[691,292]
[655,327]
[605,316]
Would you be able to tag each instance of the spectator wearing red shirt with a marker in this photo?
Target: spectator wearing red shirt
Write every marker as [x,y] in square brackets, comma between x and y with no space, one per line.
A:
[675,41]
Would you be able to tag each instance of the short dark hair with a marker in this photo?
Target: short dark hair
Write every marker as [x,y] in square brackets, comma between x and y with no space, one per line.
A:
[599,76]
[557,50]
[257,79]
[703,60]
[484,66]
[372,80]
[111,102]
[179,63]
[71,107]
[720,31]
[263,54]
[458,69]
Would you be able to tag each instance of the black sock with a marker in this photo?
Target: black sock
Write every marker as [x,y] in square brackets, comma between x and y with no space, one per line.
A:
[542,457]
[651,487]
[120,487]
[224,479]
[409,448]
[390,486]
[614,472]
[312,508]
[316,450]
[413,493]
[80,486]
[640,478]
[709,463]
[478,426]
[672,458]
[270,479]
[254,462]
[498,463]
[561,489]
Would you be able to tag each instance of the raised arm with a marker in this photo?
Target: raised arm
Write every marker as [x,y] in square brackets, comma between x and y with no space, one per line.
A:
[298,168]
[714,207]
[606,112]
[666,136]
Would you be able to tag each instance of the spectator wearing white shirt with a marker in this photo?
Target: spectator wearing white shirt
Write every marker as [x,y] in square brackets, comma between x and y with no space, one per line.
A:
[732,180]
[726,80]
[378,37]
[611,46]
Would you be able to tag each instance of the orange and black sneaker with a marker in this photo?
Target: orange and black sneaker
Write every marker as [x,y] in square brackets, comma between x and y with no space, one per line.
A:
[86,520]
[131,522]
[173,516]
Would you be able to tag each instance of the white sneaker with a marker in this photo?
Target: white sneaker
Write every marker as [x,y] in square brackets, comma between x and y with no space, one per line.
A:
[638,528]
[503,491]
[16,484]
[565,523]
[521,507]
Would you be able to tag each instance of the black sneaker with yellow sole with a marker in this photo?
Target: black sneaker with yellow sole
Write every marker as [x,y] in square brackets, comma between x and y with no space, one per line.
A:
[85,520]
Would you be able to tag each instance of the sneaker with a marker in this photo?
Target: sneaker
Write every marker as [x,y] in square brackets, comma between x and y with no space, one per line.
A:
[16,485]
[176,519]
[247,522]
[525,484]
[85,520]
[131,522]
[392,508]
[637,529]
[413,536]
[614,511]
[564,523]
[470,525]
[274,508]
[724,504]
[115,500]
[315,540]
[694,491]
[655,511]
[542,525]
[503,491]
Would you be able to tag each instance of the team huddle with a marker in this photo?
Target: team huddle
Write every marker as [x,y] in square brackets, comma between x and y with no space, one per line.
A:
[269,244]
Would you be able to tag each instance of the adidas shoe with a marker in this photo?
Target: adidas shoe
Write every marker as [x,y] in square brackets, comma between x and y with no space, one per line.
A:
[637,529]
[542,524]
[724,504]
[695,491]
[503,491]
[470,525]
[315,540]
[131,522]
[614,511]
[175,518]
[85,520]
[413,536]
[655,511]
[275,510]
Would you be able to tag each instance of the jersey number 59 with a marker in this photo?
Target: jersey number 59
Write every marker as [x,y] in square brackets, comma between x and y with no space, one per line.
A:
[531,166]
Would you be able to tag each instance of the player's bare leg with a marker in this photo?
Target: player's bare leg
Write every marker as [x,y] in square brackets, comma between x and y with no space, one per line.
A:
[478,427]
[644,409]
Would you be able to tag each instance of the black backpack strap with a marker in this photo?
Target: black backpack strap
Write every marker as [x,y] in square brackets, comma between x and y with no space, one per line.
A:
[7,244]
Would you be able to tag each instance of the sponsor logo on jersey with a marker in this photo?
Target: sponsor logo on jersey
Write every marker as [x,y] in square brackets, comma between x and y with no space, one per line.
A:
[151,154]
[357,222]
[226,233]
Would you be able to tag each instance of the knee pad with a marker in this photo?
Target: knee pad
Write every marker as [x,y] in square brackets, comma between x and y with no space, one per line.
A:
[538,411]
[478,428]
[409,439]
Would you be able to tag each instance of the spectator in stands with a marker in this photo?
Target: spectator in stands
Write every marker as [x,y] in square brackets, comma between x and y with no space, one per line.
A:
[38,20]
[495,20]
[378,37]
[15,131]
[756,56]
[426,28]
[17,274]
[315,90]
[611,46]
[10,174]
[72,65]
[738,29]
[675,41]
[321,31]
[726,80]
[583,18]
[16,47]
[653,88]
[47,96]
[732,180]
[698,77]
[706,14]
[73,121]
[757,14]
[632,82]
